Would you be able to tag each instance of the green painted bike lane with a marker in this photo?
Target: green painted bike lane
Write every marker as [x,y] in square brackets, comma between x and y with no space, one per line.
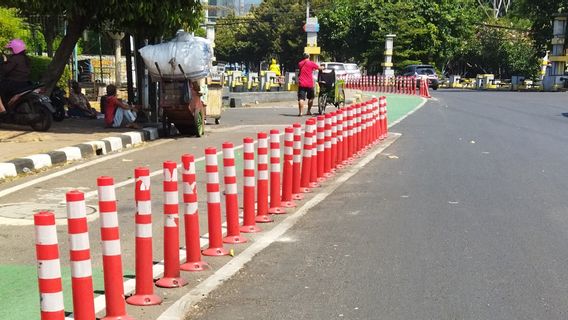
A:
[19,296]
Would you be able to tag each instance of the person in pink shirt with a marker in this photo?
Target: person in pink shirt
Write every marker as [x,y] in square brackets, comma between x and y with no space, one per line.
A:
[306,83]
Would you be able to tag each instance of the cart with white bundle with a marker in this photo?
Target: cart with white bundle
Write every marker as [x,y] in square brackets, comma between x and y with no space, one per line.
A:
[178,66]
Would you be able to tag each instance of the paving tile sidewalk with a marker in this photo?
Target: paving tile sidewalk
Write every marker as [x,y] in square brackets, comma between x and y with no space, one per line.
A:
[23,150]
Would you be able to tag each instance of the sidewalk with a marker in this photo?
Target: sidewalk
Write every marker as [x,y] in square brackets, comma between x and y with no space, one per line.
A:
[23,150]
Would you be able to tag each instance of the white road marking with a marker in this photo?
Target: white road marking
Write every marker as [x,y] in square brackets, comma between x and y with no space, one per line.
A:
[180,308]
[71,169]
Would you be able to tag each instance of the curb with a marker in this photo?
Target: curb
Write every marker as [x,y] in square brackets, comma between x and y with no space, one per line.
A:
[80,151]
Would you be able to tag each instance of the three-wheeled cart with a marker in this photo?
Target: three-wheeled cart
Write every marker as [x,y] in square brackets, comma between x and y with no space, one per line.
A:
[180,105]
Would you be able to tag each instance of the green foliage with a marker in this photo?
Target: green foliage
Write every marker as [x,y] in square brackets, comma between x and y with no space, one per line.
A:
[12,26]
[145,18]
[39,66]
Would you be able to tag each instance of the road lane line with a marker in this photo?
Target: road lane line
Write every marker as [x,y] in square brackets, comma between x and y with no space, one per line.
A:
[182,306]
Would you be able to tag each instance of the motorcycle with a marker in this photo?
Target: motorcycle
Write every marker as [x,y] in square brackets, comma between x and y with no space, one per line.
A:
[30,107]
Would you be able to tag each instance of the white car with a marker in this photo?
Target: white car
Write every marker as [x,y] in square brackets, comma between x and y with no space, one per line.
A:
[353,70]
[339,67]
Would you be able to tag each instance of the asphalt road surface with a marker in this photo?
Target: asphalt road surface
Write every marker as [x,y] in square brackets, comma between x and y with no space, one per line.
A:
[464,217]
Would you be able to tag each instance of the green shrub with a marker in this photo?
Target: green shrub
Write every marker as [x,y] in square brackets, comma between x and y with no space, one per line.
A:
[39,67]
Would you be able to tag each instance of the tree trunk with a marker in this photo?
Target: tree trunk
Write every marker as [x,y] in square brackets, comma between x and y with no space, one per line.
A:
[75,29]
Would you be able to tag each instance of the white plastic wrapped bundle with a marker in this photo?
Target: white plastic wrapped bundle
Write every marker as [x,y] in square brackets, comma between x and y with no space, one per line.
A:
[194,54]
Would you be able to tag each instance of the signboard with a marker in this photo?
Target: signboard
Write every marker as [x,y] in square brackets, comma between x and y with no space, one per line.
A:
[312,25]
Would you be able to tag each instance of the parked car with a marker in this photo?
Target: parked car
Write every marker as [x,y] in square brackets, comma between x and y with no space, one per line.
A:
[339,67]
[423,71]
[352,69]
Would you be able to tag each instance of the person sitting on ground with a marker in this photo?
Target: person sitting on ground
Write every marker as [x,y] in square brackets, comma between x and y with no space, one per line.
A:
[118,113]
[79,105]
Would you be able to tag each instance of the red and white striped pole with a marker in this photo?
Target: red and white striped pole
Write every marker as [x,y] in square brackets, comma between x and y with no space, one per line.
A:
[171,278]
[317,156]
[383,118]
[213,205]
[356,113]
[327,147]
[297,163]
[48,267]
[262,215]
[348,144]
[359,128]
[377,120]
[365,121]
[374,117]
[144,294]
[319,165]
[112,261]
[287,174]
[334,140]
[194,261]
[249,212]
[80,256]
[340,138]
[275,179]
[231,196]
[386,117]
[307,156]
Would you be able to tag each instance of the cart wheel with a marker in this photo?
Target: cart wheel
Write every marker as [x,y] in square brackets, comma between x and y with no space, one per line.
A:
[217,120]
[322,101]
[199,124]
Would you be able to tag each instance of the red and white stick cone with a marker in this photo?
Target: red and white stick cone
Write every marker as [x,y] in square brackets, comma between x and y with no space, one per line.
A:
[348,143]
[144,294]
[358,129]
[213,205]
[374,107]
[307,156]
[386,118]
[171,278]
[112,261]
[275,179]
[382,116]
[319,164]
[333,140]
[231,196]
[315,171]
[340,139]
[297,163]
[262,215]
[80,256]
[377,121]
[287,175]
[249,211]
[48,267]
[194,261]
[354,125]
[327,147]
[365,126]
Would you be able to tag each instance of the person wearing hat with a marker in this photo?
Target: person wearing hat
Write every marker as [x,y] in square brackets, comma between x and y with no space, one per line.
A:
[15,70]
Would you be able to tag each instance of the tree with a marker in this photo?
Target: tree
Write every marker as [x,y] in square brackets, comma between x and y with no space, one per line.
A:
[142,17]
